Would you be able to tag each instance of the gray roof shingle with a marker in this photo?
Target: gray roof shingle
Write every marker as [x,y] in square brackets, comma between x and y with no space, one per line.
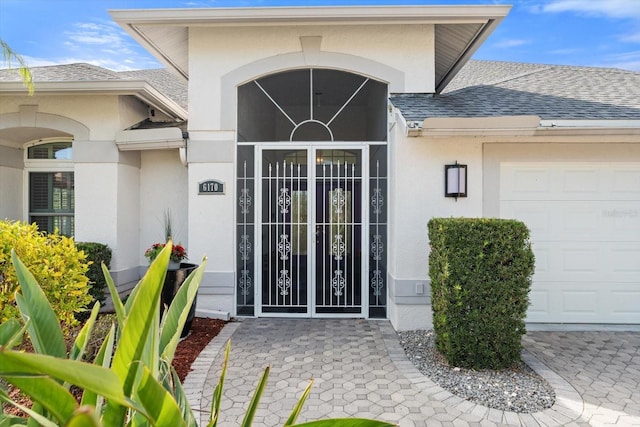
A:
[161,79]
[492,88]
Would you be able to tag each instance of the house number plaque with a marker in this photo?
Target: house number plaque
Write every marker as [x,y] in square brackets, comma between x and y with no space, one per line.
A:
[211,186]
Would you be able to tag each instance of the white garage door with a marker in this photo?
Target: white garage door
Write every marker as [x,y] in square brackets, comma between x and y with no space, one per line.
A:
[585,229]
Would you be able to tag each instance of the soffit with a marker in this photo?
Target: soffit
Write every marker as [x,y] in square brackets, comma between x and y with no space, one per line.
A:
[460,30]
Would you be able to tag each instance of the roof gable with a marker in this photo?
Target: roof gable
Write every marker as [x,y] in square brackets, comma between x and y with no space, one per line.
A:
[459,30]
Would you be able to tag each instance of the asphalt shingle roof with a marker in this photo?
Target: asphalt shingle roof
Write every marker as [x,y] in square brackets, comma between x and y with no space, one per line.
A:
[161,79]
[492,88]
[164,81]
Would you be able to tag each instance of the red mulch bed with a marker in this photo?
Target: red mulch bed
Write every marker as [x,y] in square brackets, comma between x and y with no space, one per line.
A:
[202,331]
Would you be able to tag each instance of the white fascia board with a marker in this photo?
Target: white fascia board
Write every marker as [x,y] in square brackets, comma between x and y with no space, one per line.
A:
[304,15]
[150,139]
[503,125]
[588,124]
[138,88]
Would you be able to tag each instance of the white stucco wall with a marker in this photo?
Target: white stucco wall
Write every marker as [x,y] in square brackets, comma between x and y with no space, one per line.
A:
[11,182]
[11,193]
[211,234]
[236,47]
[163,186]
[98,113]
[416,196]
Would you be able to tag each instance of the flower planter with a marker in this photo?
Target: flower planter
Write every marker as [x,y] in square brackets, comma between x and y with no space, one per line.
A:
[172,282]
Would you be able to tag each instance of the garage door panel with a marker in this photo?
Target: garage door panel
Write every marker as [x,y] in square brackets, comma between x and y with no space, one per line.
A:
[626,259]
[559,181]
[597,262]
[577,220]
[584,219]
[569,262]
[626,181]
[583,183]
[626,304]
[560,302]
[539,302]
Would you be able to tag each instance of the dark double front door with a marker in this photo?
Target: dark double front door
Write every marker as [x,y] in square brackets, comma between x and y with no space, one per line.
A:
[311,235]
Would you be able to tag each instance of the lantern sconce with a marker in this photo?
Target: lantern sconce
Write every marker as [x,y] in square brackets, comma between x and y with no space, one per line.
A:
[455,180]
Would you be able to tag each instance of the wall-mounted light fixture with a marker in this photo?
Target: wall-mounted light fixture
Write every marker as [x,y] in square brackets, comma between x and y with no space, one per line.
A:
[455,180]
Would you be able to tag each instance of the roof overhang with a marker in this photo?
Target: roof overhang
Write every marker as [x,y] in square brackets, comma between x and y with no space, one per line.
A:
[150,139]
[137,88]
[460,30]
[517,126]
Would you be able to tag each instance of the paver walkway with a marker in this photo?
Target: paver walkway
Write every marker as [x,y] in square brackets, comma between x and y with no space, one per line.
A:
[360,370]
[604,367]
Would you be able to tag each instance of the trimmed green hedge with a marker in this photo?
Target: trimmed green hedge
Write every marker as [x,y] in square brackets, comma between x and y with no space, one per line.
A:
[480,271]
[97,253]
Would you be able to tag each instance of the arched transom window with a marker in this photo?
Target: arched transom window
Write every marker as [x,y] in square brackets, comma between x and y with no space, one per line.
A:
[312,105]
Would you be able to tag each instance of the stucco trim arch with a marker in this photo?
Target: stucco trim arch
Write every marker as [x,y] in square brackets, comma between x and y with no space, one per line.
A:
[34,119]
[296,60]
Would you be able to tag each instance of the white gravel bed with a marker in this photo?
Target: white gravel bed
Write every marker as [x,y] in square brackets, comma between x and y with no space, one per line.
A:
[517,389]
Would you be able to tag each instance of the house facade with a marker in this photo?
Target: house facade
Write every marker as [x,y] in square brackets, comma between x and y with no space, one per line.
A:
[318,145]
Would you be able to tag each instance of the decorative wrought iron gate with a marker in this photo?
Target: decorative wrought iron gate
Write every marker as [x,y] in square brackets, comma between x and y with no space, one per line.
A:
[311,232]
[312,177]
[338,232]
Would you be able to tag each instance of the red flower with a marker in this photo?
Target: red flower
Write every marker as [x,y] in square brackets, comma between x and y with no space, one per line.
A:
[178,253]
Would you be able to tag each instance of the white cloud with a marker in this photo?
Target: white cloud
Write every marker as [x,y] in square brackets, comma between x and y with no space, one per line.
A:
[103,44]
[565,51]
[625,60]
[510,43]
[631,37]
[90,33]
[608,8]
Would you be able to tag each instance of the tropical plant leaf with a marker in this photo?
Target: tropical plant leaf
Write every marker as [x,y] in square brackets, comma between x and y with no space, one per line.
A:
[176,316]
[7,420]
[255,400]
[80,343]
[49,393]
[115,297]
[217,393]
[140,309]
[298,408]
[11,333]
[181,399]
[103,358]
[84,375]
[162,409]
[44,327]
[10,420]
[85,416]
[8,56]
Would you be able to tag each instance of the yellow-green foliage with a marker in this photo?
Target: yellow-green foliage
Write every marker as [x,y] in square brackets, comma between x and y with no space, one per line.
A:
[57,265]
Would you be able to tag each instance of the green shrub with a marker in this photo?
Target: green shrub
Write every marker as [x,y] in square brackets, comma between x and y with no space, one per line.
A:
[480,271]
[57,265]
[97,253]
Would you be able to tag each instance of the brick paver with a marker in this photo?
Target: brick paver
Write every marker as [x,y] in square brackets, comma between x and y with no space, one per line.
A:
[604,367]
[360,370]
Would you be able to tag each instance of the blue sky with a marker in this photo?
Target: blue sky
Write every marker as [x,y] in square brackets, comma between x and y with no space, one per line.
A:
[603,33]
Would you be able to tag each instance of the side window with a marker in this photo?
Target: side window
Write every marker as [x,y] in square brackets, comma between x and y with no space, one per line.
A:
[51,187]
